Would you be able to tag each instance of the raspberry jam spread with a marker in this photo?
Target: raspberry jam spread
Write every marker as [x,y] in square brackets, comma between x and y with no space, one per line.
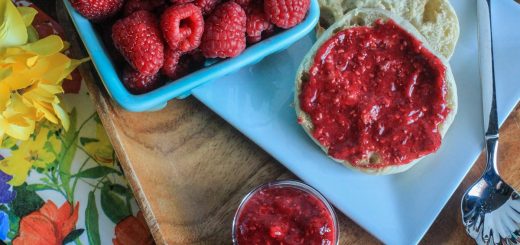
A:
[375,90]
[284,214]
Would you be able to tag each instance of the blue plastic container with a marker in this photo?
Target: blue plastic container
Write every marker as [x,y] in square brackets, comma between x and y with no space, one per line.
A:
[181,88]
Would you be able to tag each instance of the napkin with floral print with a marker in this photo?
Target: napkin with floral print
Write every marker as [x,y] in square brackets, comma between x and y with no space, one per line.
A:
[62,185]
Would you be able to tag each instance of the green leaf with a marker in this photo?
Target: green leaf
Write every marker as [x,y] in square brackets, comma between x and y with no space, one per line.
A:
[8,142]
[85,140]
[26,201]
[32,34]
[39,187]
[67,153]
[48,147]
[14,222]
[114,205]
[14,226]
[121,190]
[46,180]
[72,236]
[97,119]
[95,172]
[91,220]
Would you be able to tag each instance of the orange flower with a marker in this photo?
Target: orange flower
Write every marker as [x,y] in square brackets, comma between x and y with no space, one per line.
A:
[133,231]
[47,226]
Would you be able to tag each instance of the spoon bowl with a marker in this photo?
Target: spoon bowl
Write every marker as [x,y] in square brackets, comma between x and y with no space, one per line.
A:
[491,212]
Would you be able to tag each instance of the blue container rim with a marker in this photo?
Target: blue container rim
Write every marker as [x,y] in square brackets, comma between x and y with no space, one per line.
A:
[180,88]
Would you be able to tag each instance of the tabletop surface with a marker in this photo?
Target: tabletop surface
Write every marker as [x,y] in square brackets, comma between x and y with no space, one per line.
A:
[189,169]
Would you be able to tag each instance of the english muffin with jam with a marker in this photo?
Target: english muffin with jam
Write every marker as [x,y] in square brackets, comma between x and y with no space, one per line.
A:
[373,94]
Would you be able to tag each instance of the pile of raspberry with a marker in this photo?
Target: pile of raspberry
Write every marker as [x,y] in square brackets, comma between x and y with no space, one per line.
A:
[160,40]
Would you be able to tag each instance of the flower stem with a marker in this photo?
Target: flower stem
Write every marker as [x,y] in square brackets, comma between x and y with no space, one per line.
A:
[76,179]
[78,242]
[67,148]
[54,184]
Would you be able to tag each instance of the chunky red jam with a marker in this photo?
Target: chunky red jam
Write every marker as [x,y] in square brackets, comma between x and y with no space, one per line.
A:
[285,215]
[376,89]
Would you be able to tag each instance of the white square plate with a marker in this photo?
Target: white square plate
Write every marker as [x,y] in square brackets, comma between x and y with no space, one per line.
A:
[397,209]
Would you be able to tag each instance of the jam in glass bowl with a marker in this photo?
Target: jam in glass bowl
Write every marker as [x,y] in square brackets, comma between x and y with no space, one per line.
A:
[285,212]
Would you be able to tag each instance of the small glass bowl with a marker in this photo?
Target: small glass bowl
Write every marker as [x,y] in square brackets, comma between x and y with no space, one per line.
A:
[286,183]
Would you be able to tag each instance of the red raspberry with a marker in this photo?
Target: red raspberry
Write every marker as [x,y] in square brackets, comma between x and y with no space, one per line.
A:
[181,1]
[177,65]
[257,24]
[207,6]
[138,38]
[132,6]
[244,3]
[286,13]
[224,34]
[171,59]
[182,27]
[97,10]
[138,83]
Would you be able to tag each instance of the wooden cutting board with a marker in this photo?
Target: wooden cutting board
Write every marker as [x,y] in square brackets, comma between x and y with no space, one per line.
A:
[189,169]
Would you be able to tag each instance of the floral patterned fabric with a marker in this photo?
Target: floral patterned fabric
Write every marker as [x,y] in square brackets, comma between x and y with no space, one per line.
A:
[65,186]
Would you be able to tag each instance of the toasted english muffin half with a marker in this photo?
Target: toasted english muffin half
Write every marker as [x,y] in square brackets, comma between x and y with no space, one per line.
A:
[434,19]
[367,17]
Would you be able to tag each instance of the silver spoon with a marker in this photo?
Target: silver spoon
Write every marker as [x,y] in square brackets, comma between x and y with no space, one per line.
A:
[490,208]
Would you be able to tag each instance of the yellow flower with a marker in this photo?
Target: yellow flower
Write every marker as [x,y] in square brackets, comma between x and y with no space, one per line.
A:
[14,22]
[15,120]
[8,143]
[30,74]
[101,149]
[40,152]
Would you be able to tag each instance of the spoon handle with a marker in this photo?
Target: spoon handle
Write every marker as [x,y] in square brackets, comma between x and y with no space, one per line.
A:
[487,77]
[491,173]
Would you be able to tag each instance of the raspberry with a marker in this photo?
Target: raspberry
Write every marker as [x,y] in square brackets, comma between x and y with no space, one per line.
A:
[171,59]
[207,6]
[138,83]
[182,27]
[181,1]
[257,24]
[286,13]
[138,39]
[177,65]
[97,10]
[132,6]
[244,3]
[224,34]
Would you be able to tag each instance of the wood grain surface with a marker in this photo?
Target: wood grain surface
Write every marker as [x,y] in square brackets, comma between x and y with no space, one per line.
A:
[189,169]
